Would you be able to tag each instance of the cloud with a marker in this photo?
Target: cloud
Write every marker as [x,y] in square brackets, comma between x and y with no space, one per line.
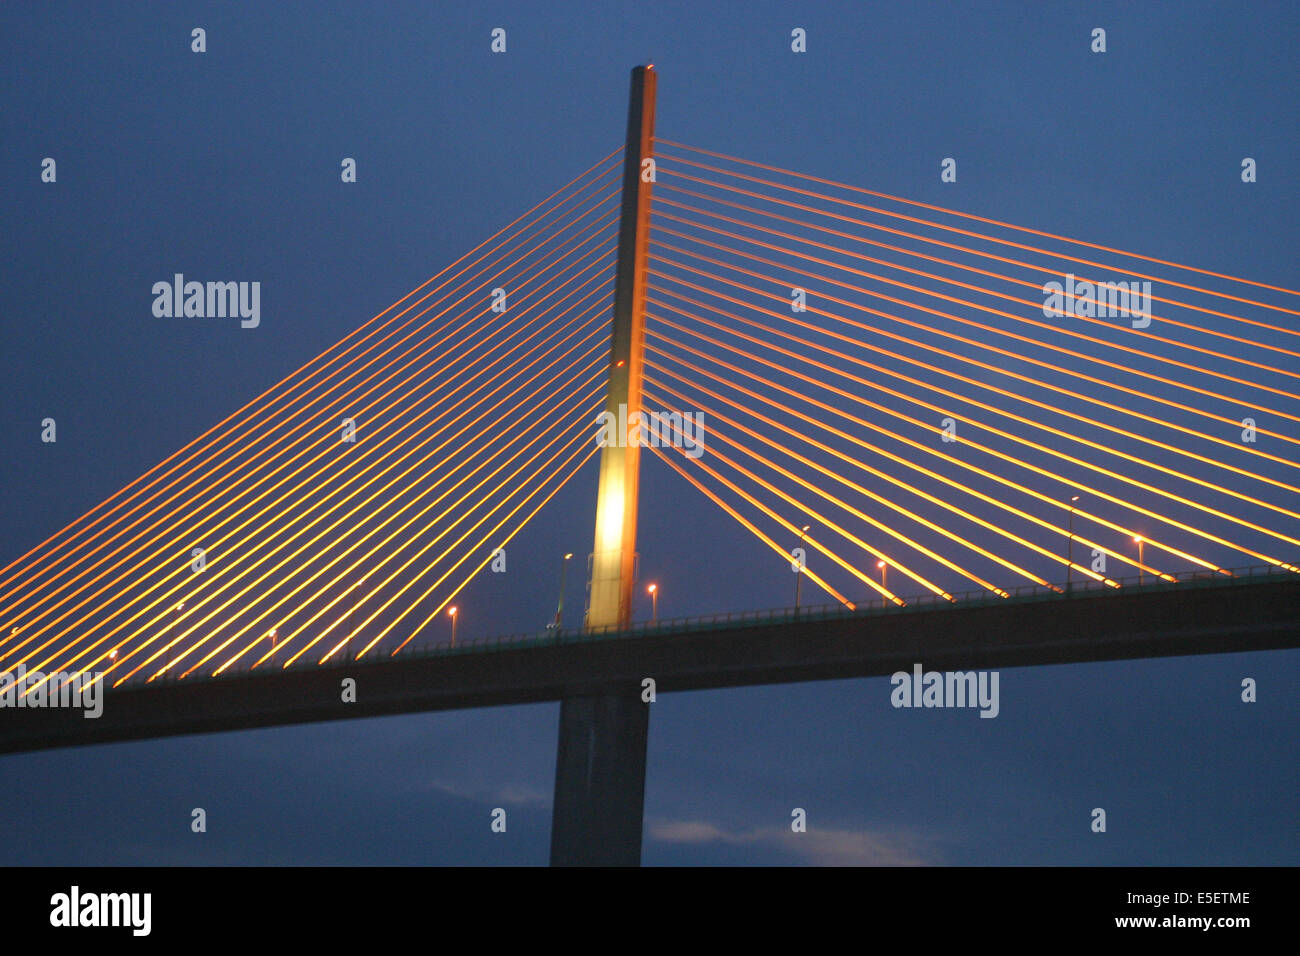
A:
[820,846]
[510,795]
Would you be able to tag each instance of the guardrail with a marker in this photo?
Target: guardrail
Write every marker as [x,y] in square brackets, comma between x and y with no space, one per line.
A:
[1082,589]
[1227,577]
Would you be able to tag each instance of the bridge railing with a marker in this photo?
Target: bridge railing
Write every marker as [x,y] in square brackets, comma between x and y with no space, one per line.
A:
[1031,592]
[1081,589]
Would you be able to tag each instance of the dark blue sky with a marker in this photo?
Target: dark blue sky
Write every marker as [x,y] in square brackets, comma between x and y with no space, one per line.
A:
[225,165]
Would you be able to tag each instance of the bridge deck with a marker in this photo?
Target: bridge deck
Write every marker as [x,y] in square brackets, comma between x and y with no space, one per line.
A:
[1238,614]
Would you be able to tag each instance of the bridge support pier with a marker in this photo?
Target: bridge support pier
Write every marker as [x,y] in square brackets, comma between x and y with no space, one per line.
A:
[600,779]
[600,764]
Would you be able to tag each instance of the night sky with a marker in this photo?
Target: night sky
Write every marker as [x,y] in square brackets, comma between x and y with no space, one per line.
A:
[225,165]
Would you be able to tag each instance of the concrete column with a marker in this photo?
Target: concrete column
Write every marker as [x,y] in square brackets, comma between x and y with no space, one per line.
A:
[600,779]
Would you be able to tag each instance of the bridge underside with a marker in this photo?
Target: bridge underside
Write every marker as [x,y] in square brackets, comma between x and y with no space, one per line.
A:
[1250,616]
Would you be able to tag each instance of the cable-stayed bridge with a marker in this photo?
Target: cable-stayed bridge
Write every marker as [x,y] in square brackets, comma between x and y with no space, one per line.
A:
[977,444]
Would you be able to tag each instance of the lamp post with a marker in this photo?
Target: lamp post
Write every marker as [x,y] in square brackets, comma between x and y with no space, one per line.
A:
[559,608]
[348,650]
[1069,562]
[654,603]
[271,635]
[1137,539]
[798,578]
[884,570]
[347,646]
[451,611]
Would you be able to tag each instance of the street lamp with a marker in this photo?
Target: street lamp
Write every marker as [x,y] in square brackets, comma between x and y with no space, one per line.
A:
[452,612]
[1137,539]
[884,569]
[1069,564]
[798,578]
[271,635]
[176,615]
[347,647]
[559,608]
[654,603]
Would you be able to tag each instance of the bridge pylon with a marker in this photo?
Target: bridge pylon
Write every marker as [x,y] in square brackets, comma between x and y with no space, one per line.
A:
[600,764]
